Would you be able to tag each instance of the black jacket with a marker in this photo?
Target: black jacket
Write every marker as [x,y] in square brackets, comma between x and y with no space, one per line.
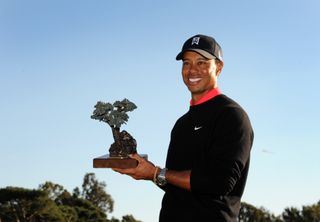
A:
[213,140]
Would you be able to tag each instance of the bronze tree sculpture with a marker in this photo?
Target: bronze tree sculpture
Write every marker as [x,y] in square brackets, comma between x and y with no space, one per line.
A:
[115,115]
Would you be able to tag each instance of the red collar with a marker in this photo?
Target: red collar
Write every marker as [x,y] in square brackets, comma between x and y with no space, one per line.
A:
[211,94]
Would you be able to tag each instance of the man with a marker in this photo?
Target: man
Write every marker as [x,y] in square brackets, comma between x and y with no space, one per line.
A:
[209,152]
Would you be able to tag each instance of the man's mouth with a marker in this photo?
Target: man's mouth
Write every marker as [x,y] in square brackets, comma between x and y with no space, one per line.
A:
[194,80]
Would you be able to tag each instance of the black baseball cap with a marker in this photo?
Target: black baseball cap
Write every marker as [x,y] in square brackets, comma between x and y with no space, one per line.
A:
[204,45]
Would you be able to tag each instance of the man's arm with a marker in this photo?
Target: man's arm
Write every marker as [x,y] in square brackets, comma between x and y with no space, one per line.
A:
[147,170]
[179,178]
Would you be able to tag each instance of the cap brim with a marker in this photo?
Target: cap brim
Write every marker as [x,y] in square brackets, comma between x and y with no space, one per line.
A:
[199,51]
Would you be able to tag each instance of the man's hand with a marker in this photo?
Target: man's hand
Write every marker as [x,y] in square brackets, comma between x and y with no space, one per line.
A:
[144,171]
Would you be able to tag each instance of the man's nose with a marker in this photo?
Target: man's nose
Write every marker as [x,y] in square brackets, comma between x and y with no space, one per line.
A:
[194,68]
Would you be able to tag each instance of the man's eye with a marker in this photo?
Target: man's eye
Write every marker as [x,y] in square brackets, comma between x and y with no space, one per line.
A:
[202,63]
[185,63]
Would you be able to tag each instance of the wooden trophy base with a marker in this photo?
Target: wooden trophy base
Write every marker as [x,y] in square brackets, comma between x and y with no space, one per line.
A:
[106,161]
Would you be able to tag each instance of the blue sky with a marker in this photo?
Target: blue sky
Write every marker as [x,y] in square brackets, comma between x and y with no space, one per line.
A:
[58,58]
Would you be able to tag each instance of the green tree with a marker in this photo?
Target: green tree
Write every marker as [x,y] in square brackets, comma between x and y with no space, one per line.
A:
[126,218]
[94,191]
[129,218]
[311,213]
[52,203]
[58,194]
[292,214]
[114,220]
[249,213]
[69,213]
[73,207]
[20,204]
[54,191]
[85,210]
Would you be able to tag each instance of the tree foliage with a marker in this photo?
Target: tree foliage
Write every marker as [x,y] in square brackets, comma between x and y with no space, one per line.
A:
[114,114]
[309,213]
[94,191]
[129,218]
[292,214]
[249,213]
[20,204]
[52,203]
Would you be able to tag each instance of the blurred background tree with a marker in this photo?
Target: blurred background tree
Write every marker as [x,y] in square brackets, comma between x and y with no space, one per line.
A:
[52,203]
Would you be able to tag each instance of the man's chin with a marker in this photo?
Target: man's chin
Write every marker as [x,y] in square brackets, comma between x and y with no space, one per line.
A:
[196,91]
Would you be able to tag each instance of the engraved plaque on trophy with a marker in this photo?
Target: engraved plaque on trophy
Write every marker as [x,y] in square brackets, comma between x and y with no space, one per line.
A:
[124,144]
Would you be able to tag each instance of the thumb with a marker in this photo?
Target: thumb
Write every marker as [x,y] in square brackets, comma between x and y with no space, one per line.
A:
[136,156]
[139,158]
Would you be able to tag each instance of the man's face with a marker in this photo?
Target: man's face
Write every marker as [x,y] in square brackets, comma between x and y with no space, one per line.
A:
[199,73]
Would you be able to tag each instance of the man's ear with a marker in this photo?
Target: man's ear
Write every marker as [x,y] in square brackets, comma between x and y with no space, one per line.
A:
[219,65]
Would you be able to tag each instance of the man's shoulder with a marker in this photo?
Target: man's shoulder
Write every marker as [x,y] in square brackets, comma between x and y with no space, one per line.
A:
[223,99]
[225,106]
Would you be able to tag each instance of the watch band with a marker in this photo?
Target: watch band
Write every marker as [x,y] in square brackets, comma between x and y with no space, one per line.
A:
[161,178]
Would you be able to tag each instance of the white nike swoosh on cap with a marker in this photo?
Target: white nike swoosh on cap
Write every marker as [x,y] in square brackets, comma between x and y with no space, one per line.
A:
[197,127]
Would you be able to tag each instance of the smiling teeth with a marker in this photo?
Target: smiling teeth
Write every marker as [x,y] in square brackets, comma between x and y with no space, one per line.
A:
[194,79]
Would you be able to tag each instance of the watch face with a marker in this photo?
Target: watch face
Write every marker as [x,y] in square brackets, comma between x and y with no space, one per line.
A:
[161,179]
[161,183]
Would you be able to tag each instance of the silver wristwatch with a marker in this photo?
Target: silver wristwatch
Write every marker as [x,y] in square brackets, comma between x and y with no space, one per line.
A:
[161,178]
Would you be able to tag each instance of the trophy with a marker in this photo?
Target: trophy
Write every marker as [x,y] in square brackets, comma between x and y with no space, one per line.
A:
[124,144]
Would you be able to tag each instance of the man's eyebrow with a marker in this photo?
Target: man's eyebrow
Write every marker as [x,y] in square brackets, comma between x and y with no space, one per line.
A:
[203,58]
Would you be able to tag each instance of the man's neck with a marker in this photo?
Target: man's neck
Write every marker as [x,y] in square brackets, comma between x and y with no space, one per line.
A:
[198,99]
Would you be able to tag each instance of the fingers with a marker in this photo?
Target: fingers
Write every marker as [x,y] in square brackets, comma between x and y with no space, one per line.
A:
[130,172]
[123,171]
[142,162]
[144,170]
[136,157]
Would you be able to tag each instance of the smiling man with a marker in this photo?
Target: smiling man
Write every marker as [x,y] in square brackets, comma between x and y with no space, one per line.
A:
[209,152]
[200,74]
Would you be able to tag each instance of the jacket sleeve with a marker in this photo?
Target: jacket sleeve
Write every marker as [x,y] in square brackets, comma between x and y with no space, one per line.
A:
[227,154]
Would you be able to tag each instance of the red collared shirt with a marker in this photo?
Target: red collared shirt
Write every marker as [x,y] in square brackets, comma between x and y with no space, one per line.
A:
[211,94]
